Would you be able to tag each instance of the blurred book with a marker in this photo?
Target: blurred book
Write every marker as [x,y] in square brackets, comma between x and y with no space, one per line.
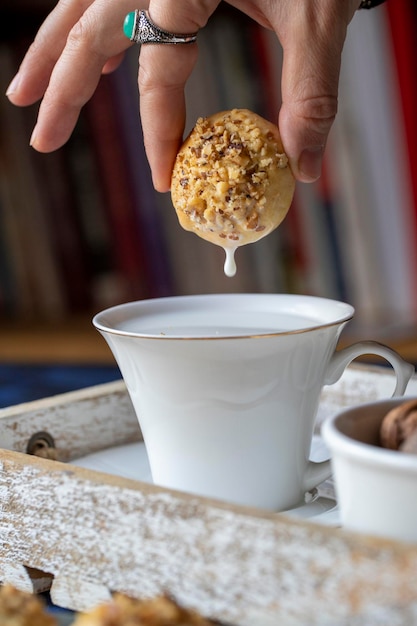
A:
[85,226]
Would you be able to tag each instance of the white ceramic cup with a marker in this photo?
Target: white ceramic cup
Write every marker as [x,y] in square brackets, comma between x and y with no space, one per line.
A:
[226,388]
[376,488]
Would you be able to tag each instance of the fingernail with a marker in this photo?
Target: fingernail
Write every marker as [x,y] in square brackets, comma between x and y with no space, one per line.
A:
[309,163]
[13,85]
[33,138]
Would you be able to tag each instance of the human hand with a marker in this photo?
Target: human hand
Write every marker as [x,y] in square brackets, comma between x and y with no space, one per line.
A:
[312,33]
[88,34]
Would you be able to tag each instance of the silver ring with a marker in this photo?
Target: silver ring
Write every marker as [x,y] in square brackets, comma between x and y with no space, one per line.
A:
[145,31]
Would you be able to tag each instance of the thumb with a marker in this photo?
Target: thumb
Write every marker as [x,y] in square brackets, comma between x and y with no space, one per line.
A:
[312,45]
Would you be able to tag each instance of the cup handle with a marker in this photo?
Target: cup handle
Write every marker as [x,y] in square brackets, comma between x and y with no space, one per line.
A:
[342,358]
[317,472]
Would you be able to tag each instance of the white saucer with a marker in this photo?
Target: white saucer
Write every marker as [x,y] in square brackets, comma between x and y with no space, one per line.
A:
[131,461]
[128,461]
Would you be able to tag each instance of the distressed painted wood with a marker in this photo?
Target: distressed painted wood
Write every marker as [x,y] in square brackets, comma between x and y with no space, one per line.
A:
[93,533]
[81,422]
[24,578]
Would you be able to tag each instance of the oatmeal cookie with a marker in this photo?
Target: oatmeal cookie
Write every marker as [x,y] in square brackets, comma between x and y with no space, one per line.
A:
[18,608]
[125,611]
[232,183]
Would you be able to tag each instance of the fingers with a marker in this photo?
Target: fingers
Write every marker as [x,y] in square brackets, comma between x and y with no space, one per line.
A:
[163,72]
[83,38]
[32,79]
[75,44]
[112,63]
[312,35]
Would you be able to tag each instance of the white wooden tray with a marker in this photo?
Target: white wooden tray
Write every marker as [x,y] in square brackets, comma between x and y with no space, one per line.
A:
[85,534]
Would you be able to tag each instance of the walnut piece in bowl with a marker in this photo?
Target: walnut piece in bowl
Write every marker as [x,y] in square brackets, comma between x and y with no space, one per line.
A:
[231,182]
[399,427]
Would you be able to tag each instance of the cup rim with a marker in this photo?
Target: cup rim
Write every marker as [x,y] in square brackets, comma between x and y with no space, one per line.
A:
[341,444]
[105,326]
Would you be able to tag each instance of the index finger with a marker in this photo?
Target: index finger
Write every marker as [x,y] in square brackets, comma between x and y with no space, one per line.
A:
[38,62]
[163,72]
[95,38]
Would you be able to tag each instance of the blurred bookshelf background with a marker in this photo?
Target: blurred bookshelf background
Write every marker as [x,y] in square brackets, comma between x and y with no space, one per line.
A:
[82,228]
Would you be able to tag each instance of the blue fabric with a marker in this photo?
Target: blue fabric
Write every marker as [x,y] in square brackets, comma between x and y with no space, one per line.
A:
[64,617]
[23,383]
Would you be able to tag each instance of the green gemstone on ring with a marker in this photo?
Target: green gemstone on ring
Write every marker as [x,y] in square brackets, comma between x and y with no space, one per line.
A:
[129,24]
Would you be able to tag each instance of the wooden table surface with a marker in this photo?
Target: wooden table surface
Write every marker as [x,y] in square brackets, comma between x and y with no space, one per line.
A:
[75,341]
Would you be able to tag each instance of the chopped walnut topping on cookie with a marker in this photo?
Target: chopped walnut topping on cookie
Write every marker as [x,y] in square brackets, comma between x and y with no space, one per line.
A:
[232,183]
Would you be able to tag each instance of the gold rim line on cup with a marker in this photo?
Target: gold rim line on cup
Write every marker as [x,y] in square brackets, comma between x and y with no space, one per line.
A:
[161,336]
[103,326]
[279,333]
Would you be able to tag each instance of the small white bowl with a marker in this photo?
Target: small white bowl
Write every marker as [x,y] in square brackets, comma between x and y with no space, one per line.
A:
[376,488]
